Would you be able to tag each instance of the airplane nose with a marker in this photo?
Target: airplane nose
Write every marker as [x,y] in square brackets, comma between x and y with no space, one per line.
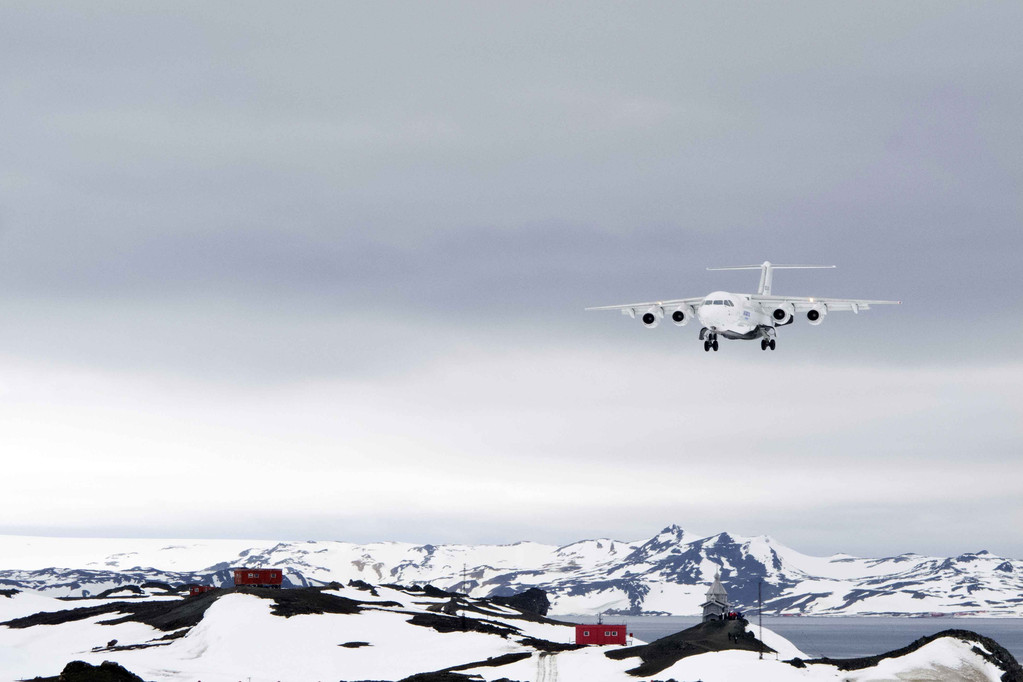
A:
[710,318]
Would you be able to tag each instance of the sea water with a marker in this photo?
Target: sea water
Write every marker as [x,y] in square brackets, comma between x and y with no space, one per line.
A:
[845,637]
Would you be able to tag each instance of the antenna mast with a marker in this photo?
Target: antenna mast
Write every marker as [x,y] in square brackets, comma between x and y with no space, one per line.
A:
[760,615]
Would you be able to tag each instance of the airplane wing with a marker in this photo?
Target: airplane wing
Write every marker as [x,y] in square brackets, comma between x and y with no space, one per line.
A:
[631,309]
[804,303]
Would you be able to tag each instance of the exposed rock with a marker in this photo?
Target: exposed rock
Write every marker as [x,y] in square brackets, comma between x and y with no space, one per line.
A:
[163,615]
[80,671]
[133,589]
[549,646]
[431,591]
[459,624]
[364,586]
[712,635]
[533,600]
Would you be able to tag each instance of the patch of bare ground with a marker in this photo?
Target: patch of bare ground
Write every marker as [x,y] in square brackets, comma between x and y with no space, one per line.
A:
[713,635]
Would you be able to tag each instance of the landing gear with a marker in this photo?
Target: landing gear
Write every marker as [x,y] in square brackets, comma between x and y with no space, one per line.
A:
[711,342]
[768,343]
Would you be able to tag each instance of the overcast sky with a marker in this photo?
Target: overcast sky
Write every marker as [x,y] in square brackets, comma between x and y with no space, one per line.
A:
[318,271]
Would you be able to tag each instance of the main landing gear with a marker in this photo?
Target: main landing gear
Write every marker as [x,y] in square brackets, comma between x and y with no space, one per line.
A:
[710,339]
[767,343]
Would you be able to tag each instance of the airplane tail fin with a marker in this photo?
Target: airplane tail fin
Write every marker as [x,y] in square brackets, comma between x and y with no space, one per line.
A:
[766,272]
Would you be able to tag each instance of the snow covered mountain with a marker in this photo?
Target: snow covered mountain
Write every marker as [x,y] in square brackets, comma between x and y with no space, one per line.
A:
[668,573]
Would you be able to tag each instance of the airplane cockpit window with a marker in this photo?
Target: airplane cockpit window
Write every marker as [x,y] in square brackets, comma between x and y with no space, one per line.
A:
[729,304]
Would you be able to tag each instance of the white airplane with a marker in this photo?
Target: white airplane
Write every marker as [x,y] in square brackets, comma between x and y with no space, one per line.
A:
[744,316]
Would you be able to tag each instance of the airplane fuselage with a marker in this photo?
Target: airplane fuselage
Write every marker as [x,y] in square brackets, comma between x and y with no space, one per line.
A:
[733,316]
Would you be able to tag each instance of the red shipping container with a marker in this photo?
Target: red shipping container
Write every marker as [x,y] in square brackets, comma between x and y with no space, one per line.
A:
[258,577]
[600,633]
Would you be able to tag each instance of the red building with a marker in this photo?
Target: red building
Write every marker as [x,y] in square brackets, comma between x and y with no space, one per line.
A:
[600,633]
[258,577]
[199,589]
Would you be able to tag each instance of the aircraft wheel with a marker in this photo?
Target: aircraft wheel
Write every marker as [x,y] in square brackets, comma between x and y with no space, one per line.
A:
[715,346]
[763,344]
[706,345]
[773,343]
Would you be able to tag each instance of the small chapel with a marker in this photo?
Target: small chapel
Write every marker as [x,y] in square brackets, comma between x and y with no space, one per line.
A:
[716,607]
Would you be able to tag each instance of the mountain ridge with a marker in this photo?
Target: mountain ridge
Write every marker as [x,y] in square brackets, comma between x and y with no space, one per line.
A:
[665,574]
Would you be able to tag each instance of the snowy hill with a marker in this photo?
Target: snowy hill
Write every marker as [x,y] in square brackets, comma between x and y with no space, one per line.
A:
[668,573]
[364,632]
[311,634]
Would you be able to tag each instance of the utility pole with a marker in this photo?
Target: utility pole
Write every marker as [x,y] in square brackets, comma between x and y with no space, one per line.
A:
[760,615]
[465,624]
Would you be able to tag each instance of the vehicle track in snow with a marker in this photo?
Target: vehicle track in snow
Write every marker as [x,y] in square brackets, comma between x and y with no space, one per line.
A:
[547,667]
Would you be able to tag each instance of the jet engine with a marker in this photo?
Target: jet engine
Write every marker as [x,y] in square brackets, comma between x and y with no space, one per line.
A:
[652,317]
[815,315]
[783,314]
[681,316]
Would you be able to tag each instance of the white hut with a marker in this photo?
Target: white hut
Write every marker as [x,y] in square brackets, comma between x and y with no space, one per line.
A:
[717,604]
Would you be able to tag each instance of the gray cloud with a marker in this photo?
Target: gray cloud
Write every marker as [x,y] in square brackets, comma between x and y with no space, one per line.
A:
[196,199]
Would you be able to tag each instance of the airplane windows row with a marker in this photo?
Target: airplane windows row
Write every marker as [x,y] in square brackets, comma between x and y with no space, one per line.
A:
[724,303]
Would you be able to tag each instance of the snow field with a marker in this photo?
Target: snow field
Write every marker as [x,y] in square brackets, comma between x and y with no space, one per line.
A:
[239,638]
[942,660]
[44,650]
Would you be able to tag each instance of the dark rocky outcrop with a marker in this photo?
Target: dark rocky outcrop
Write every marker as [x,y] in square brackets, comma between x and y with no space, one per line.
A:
[80,671]
[431,591]
[130,589]
[163,615]
[495,662]
[714,635]
[306,600]
[459,624]
[533,600]
[445,676]
[364,586]
[549,646]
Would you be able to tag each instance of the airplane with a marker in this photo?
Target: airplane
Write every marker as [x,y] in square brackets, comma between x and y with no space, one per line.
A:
[744,316]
